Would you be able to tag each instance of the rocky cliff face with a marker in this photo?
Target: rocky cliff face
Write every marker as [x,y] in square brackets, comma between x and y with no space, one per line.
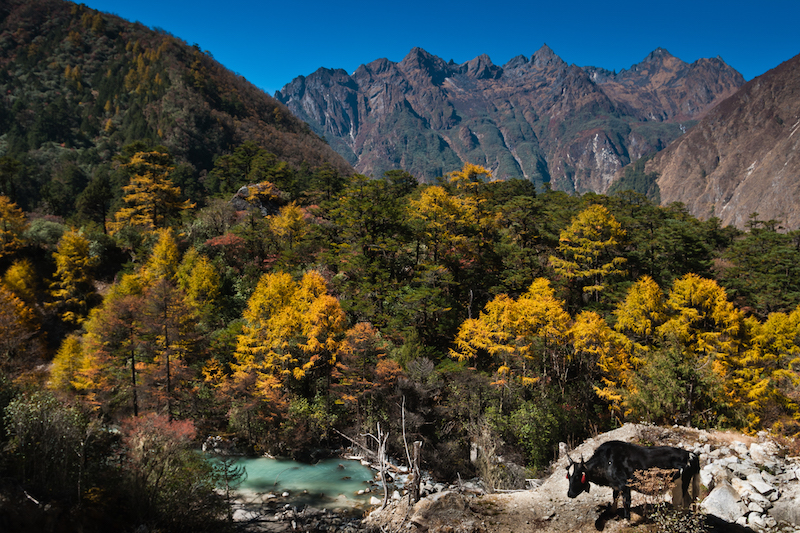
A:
[535,118]
[742,158]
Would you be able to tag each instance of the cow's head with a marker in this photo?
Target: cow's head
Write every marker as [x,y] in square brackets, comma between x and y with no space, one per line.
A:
[576,474]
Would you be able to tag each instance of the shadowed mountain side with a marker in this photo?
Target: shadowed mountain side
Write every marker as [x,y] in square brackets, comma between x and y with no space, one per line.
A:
[742,158]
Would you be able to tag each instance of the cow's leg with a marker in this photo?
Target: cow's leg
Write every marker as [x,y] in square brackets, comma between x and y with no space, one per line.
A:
[626,501]
[614,500]
[686,480]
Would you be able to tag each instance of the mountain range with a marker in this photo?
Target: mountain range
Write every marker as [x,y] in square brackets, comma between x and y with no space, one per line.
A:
[78,85]
[535,118]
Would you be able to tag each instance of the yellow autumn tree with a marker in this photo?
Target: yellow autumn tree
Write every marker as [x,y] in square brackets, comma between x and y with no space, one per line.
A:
[289,225]
[290,329]
[681,377]
[73,288]
[18,326]
[21,279]
[765,378]
[702,320]
[200,281]
[151,199]
[442,219]
[642,311]
[164,258]
[469,178]
[523,339]
[588,250]
[600,347]
[67,364]
[12,226]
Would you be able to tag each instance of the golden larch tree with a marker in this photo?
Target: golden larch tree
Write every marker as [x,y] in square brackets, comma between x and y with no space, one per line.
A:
[151,199]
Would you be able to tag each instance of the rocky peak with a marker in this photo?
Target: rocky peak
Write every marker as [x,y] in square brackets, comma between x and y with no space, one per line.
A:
[482,68]
[741,158]
[545,57]
[429,64]
[659,54]
[516,62]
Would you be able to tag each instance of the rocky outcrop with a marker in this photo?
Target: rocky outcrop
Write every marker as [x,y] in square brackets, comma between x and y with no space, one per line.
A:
[535,118]
[748,484]
[743,157]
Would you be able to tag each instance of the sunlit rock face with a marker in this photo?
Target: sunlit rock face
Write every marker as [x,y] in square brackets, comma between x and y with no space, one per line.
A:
[535,118]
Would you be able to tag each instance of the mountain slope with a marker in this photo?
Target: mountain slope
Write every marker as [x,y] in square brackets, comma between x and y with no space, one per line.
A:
[535,118]
[77,84]
[742,158]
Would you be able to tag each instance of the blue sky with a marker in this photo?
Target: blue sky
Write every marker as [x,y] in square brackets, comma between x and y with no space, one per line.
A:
[270,42]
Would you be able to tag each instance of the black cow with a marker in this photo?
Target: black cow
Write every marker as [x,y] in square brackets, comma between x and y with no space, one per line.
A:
[614,463]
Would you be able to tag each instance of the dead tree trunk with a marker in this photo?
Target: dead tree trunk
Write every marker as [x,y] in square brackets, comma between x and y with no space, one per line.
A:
[415,472]
[381,439]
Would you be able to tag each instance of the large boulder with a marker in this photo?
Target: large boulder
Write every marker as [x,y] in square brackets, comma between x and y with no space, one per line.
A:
[787,509]
[724,501]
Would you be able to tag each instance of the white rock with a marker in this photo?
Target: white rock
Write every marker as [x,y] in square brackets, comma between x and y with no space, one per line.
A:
[763,488]
[724,502]
[787,510]
[760,500]
[740,448]
[744,488]
[707,479]
[758,453]
[718,472]
[755,508]
[756,520]
[396,496]
[243,515]
[374,501]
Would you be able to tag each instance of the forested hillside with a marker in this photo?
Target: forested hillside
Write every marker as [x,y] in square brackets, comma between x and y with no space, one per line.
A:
[471,310]
[154,307]
[77,85]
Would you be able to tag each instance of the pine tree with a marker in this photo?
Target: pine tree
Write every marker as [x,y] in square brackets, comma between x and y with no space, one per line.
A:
[12,225]
[67,364]
[151,199]
[73,289]
[164,258]
[589,250]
